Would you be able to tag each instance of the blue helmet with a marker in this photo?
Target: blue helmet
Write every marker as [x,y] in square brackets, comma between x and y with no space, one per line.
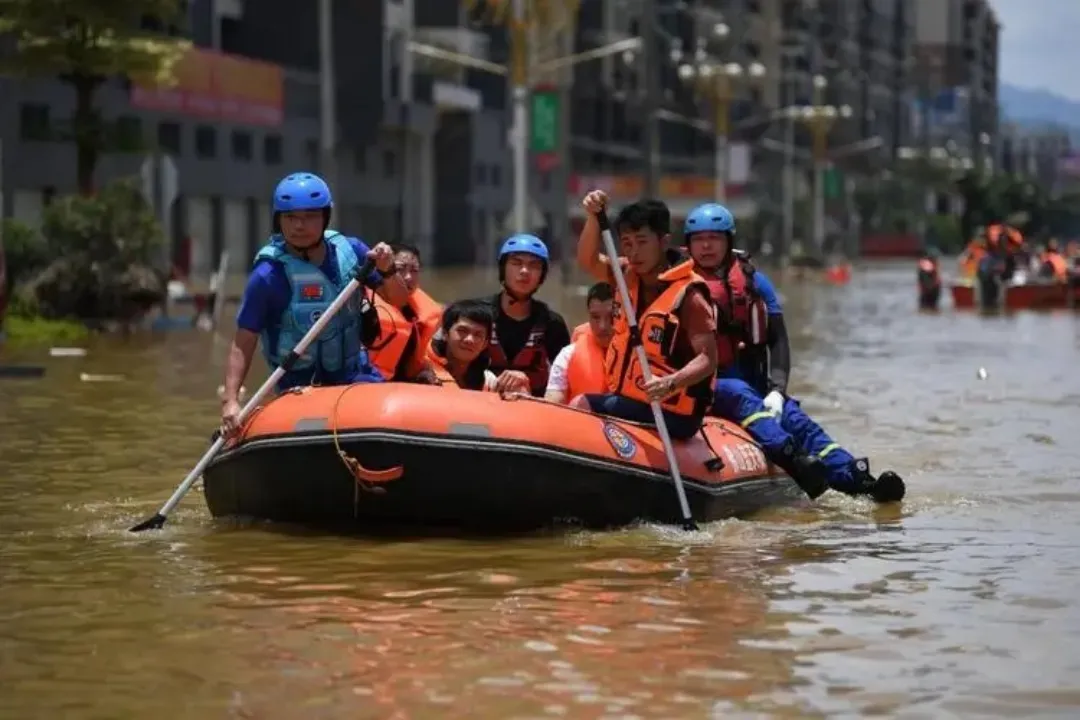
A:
[523,243]
[710,217]
[302,191]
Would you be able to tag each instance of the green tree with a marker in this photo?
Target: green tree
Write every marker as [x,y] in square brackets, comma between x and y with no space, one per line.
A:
[84,43]
[25,250]
[102,252]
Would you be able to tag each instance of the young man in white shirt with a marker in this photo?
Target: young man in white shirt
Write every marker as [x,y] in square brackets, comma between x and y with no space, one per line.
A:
[579,367]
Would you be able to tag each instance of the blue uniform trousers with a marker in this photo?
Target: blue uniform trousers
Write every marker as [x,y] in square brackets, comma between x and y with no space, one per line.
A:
[737,401]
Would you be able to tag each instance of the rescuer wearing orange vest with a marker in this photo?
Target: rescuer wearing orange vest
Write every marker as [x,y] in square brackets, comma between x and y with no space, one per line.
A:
[405,331]
[676,321]
[753,366]
[929,276]
[579,367]
[459,354]
[1005,243]
[1053,264]
[973,255]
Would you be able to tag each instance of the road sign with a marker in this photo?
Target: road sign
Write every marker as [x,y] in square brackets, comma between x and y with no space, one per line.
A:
[544,126]
[833,183]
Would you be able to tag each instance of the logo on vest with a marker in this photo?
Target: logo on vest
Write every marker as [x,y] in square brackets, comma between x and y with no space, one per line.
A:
[315,315]
[311,291]
[623,445]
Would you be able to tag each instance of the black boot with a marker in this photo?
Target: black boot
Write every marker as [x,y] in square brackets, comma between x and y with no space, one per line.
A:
[885,488]
[809,473]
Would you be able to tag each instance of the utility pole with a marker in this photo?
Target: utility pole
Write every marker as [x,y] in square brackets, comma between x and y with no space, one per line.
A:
[405,92]
[651,135]
[789,170]
[327,104]
[519,81]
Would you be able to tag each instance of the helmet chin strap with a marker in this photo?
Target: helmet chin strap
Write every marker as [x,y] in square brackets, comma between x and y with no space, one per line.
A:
[516,298]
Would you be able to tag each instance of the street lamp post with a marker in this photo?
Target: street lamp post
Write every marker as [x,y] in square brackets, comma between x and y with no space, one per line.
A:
[519,82]
[820,118]
[521,70]
[717,81]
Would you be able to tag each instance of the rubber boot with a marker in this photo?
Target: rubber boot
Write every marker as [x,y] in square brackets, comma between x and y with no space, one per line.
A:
[885,488]
[808,472]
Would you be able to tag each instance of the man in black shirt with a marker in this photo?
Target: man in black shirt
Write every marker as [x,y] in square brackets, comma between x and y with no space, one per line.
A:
[528,334]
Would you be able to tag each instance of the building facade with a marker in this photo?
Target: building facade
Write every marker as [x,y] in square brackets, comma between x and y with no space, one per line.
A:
[247,111]
[957,55]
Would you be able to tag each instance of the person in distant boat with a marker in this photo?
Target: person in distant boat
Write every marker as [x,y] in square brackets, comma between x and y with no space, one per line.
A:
[929,277]
[1052,264]
[973,254]
[400,352]
[674,314]
[295,278]
[528,334]
[579,367]
[1006,244]
[754,364]
[459,354]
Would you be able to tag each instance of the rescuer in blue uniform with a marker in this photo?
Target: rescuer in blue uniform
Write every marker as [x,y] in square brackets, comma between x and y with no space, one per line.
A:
[295,278]
[754,362]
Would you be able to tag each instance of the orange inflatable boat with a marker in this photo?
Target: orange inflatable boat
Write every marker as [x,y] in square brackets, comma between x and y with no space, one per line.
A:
[400,455]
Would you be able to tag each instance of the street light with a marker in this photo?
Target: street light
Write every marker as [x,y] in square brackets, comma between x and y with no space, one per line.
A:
[820,118]
[717,81]
[520,17]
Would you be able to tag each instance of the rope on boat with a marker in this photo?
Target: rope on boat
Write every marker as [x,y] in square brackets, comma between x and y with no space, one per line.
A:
[367,480]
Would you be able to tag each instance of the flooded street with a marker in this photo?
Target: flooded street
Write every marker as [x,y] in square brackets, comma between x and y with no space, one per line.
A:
[965,602]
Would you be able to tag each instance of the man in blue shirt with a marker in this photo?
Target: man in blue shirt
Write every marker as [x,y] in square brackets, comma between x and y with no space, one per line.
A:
[295,278]
[754,363]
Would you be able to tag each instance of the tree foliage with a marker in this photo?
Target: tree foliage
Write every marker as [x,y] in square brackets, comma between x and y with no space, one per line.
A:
[1021,202]
[101,253]
[84,43]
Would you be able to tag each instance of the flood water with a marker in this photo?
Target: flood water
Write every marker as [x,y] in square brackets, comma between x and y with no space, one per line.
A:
[963,603]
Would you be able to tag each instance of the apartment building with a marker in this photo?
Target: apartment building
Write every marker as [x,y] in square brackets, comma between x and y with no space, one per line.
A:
[957,55]
[1043,154]
[247,111]
[862,48]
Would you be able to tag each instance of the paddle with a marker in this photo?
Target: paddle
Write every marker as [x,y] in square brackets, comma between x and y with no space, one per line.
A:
[158,520]
[646,371]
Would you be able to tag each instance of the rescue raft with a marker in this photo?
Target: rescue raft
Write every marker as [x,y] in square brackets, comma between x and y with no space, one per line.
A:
[397,456]
[1027,296]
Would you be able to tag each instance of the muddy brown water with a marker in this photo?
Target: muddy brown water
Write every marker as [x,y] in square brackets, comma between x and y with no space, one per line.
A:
[963,603]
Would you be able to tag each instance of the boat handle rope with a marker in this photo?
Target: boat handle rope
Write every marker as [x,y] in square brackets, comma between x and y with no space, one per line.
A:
[367,480]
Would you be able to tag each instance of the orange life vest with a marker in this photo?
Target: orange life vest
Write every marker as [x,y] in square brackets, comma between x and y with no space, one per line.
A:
[532,359]
[1057,264]
[1012,237]
[973,255]
[742,319]
[660,329]
[474,377]
[585,374]
[395,332]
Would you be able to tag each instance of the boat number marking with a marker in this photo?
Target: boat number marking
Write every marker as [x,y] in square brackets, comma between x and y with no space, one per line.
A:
[746,457]
[623,445]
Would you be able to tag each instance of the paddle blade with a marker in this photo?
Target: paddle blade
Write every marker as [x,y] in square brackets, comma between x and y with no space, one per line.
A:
[155,523]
